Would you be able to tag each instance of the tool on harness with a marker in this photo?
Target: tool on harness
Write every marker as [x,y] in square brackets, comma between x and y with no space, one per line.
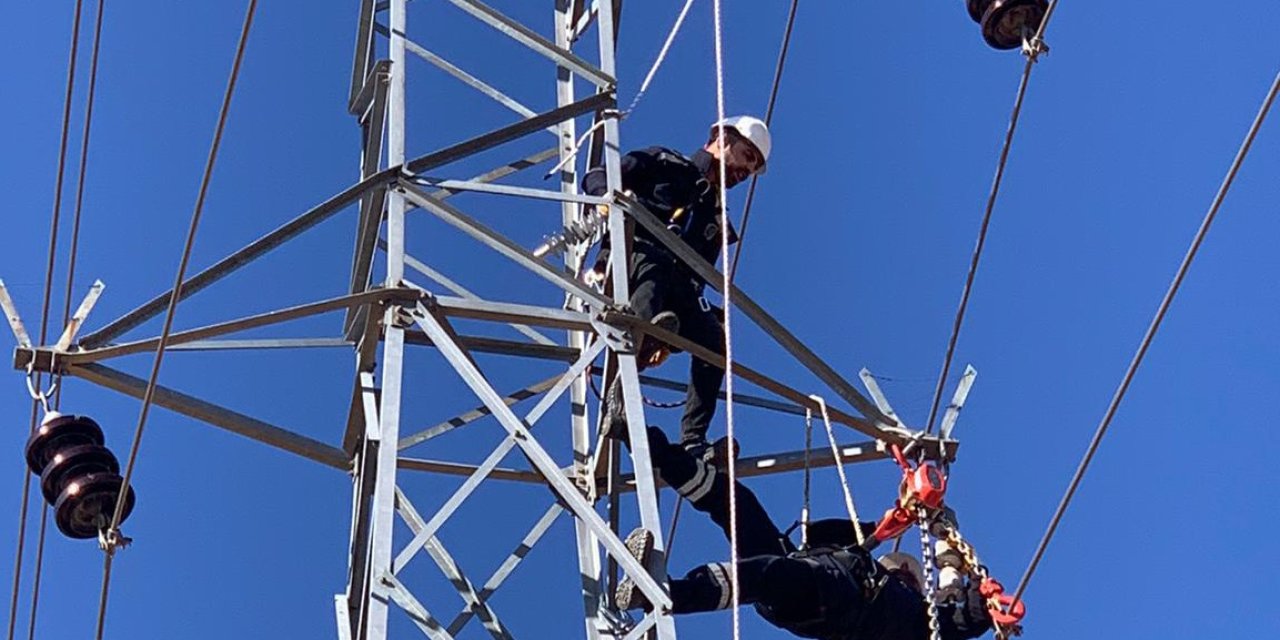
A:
[923,487]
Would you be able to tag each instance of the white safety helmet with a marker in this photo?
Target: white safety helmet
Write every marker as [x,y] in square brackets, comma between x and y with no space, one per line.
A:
[897,560]
[754,130]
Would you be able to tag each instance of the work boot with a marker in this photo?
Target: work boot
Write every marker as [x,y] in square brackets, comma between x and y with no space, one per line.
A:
[628,596]
[650,347]
[615,414]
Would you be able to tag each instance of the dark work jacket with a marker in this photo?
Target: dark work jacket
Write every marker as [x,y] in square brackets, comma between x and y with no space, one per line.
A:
[897,612]
[675,189]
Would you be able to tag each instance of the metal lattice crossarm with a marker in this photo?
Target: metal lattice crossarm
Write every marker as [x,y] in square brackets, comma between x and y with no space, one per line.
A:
[389,319]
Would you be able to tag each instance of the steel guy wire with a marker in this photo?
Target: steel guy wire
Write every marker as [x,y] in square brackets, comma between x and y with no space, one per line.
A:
[768,120]
[1148,337]
[112,537]
[48,294]
[1032,49]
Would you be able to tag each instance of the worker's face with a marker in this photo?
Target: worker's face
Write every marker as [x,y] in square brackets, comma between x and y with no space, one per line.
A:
[741,158]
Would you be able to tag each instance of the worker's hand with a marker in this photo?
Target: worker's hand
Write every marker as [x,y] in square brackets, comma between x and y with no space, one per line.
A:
[657,357]
[594,277]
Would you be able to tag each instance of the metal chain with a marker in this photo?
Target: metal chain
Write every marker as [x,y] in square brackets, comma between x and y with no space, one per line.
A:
[926,558]
[976,570]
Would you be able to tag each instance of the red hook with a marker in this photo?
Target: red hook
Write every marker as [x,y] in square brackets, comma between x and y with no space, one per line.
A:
[1009,612]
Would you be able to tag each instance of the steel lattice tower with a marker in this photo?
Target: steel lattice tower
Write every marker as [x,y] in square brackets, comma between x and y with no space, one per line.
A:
[386,315]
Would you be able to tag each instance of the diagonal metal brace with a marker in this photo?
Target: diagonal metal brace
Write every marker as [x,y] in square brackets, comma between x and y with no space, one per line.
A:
[15,321]
[77,320]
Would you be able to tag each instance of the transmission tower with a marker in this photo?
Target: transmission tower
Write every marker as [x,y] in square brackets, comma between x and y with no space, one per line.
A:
[388,319]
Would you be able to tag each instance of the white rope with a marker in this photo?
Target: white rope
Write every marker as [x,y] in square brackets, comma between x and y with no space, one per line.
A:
[728,335]
[808,472]
[839,460]
[644,86]
[662,55]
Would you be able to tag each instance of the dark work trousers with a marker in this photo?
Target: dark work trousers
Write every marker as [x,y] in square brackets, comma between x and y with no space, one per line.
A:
[791,588]
[659,283]
[822,595]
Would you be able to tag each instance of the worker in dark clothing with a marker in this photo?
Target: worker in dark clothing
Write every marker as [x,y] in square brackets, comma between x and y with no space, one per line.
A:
[831,590]
[684,193]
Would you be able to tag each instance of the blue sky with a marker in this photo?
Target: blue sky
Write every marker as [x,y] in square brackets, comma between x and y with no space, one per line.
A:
[886,136]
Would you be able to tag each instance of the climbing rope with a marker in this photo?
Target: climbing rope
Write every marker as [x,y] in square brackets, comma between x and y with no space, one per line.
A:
[728,313]
[808,478]
[839,463]
[768,120]
[111,539]
[1148,337]
[1032,49]
[44,312]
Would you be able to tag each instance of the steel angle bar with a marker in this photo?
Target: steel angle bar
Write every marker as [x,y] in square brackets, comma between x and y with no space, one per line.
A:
[396,590]
[511,132]
[448,468]
[877,396]
[481,344]
[499,453]
[261,320]
[789,461]
[15,320]
[373,203]
[957,402]
[364,51]
[77,319]
[459,290]
[466,78]
[372,84]
[560,484]
[264,343]
[742,371]
[450,568]
[244,256]
[771,326]
[508,566]
[637,632]
[477,413]
[503,171]
[738,398]
[475,309]
[529,38]
[365,467]
[343,614]
[503,245]
[508,190]
[364,392]
[215,415]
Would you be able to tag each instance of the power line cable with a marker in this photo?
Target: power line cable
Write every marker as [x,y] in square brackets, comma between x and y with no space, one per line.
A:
[1147,338]
[112,536]
[1033,48]
[66,309]
[768,120]
[44,309]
